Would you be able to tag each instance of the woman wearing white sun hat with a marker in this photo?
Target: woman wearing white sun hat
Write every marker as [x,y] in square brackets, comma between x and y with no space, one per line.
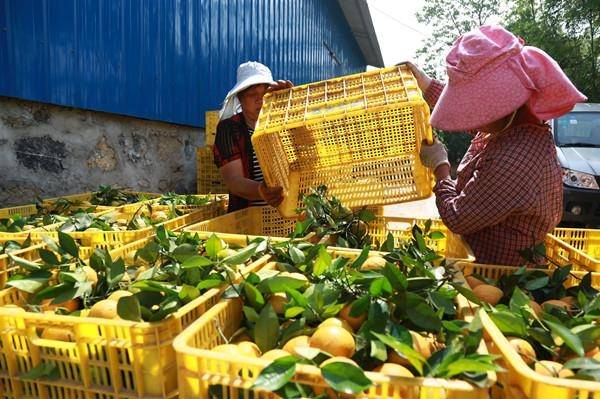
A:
[233,151]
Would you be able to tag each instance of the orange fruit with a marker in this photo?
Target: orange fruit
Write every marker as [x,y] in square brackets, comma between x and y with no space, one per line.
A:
[58,334]
[115,296]
[355,322]
[420,344]
[524,349]
[556,303]
[278,301]
[241,338]
[334,321]
[571,301]
[104,309]
[249,349]
[71,305]
[473,281]
[90,275]
[552,369]
[333,340]
[296,342]
[336,359]
[373,263]
[488,293]
[394,370]
[537,309]
[274,354]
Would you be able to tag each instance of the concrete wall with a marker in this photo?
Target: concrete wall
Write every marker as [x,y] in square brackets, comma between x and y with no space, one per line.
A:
[48,151]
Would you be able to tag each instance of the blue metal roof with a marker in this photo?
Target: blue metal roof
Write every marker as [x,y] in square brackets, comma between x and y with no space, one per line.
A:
[167,60]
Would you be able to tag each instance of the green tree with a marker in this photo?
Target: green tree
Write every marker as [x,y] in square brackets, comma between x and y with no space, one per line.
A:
[569,31]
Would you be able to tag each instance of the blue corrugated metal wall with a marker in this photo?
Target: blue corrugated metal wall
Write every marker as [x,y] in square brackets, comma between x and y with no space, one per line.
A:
[166,60]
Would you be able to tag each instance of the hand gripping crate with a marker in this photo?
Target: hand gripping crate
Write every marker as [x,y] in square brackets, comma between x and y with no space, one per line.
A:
[209,179]
[201,369]
[520,380]
[360,135]
[581,247]
[211,120]
[265,221]
[107,359]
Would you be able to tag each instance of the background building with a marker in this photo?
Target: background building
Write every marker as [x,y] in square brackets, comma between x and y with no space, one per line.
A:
[115,91]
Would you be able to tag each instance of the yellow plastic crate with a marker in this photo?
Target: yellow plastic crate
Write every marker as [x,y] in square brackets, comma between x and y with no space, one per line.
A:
[578,246]
[23,210]
[265,221]
[208,176]
[200,368]
[359,134]
[108,358]
[211,120]
[520,380]
[114,239]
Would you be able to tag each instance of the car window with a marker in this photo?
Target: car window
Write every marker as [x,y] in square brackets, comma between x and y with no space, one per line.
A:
[578,128]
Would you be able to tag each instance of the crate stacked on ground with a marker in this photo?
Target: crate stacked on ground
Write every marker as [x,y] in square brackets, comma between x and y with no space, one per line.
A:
[578,246]
[85,199]
[207,373]
[108,358]
[520,380]
[359,135]
[266,221]
[209,178]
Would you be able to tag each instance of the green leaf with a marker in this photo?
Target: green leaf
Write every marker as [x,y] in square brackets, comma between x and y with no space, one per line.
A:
[184,251]
[322,263]
[364,254]
[68,244]
[570,339]
[583,363]
[537,283]
[281,283]
[48,257]
[128,308]
[509,323]
[213,246]
[297,297]
[378,350]
[241,256]
[266,330]
[254,296]
[421,314]
[196,261]
[518,300]
[360,306]
[414,358]
[188,293]
[395,277]
[469,366]
[436,235]
[441,301]
[419,283]
[467,293]
[296,255]
[208,284]
[116,272]
[345,377]
[276,374]
[24,263]
[250,314]
[293,312]
[380,285]
[32,283]
[43,370]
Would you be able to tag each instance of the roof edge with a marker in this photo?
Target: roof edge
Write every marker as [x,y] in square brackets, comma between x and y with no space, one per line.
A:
[358,16]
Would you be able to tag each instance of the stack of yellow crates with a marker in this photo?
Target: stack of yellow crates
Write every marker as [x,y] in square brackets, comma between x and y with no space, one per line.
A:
[209,178]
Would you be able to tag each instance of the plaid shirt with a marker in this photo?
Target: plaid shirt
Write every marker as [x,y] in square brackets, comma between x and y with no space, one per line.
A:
[232,142]
[508,193]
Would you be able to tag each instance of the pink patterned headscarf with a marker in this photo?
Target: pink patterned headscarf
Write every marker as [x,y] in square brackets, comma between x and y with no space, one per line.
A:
[491,74]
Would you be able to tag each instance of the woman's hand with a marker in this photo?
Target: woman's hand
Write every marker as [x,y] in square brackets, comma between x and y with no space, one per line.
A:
[435,157]
[279,85]
[271,195]
[423,80]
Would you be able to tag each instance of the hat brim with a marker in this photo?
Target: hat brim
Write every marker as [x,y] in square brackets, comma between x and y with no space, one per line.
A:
[244,84]
[471,105]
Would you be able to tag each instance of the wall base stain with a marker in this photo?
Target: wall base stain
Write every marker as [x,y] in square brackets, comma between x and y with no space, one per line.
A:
[49,151]
[41,153]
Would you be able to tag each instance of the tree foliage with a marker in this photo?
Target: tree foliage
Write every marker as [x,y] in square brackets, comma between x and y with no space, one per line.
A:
[568,30]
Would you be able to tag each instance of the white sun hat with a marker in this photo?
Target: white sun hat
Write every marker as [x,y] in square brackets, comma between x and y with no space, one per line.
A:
[248,74]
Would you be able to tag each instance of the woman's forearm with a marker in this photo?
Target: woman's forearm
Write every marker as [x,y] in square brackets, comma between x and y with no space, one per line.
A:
[243,187]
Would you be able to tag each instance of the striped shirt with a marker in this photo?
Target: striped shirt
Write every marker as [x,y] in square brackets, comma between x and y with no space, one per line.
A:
[257,174]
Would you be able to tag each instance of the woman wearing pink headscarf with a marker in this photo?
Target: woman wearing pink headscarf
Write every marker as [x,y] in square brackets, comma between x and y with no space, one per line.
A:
[508,192]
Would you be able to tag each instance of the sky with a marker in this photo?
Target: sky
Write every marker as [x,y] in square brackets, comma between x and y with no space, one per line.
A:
[398,32]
